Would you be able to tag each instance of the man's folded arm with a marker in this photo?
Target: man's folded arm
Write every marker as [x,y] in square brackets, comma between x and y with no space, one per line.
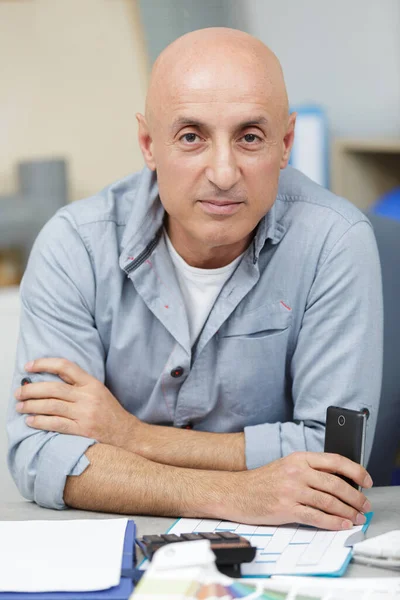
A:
[121,481]
[124,482]
[202,450]
[57,308]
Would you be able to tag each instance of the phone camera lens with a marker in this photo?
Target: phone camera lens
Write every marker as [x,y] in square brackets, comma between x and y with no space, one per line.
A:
[341,420]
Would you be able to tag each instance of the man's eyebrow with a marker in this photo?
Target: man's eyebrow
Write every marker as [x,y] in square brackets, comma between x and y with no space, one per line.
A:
[186,122]
[253,122]
[191,122]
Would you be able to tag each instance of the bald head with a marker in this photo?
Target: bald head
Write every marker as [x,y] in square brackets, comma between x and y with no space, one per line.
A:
[215,59]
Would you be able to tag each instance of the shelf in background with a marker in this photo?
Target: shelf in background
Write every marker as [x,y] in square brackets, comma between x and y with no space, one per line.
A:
[362,170]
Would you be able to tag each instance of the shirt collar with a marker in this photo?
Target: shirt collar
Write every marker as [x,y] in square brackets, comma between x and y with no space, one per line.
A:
[145,220]
[147,216]
[268,229]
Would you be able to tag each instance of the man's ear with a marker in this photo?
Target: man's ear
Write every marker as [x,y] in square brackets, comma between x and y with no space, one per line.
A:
[145,142]
[288,140]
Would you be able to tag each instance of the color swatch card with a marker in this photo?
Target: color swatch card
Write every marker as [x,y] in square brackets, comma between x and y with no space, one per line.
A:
[316,588]
[347,589]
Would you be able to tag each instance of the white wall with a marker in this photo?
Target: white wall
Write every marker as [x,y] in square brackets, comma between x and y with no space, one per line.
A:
[9,323]
[72,75]
[344,55]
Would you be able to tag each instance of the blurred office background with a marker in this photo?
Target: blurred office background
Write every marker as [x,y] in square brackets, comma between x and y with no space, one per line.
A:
[73,73]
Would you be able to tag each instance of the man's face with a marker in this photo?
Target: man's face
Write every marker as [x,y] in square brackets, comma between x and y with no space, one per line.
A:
[217,144]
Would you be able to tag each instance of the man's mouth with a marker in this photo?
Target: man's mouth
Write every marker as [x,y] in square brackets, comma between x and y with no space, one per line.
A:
[220,207]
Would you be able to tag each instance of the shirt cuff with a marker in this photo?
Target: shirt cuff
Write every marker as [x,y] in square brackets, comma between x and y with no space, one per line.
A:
[80,466]
[262,444]
[63,455]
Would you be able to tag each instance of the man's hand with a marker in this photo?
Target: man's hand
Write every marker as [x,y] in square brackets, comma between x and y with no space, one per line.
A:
[80,406]
[84,406]
[303,488]
[299,488]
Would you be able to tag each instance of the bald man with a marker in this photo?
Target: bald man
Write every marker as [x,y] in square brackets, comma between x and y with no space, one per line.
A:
[184,331]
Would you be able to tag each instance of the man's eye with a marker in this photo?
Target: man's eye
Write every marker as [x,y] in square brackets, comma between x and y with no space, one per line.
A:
[250,138]
[189,138]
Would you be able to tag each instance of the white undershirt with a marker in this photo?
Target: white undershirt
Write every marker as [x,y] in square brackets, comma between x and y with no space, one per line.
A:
[199,287]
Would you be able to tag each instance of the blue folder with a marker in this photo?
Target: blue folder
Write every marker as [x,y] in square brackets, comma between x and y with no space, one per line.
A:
[118,592]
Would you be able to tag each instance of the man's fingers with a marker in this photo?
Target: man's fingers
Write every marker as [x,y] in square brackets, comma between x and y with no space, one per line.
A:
[49,406]
[333,506]
[67,370]
[335,463]
[335,486]
[57,424]
[306,515]
[46,389]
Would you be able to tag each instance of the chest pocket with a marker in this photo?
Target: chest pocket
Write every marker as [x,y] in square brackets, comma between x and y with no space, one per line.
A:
[252,356]
[261,322]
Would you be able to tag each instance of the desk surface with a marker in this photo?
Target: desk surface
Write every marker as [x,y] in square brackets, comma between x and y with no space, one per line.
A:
[385,504]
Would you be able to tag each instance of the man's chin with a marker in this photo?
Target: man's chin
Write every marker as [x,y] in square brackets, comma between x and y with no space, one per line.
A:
[224,237]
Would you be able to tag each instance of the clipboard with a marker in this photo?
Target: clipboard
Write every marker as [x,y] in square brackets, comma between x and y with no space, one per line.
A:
[118,592]
[255,569]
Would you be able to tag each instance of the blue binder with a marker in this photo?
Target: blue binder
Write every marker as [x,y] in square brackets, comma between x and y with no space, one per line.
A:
[118,592]
[310,149]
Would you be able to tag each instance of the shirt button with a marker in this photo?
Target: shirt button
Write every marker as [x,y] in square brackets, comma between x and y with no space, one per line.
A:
[177,372]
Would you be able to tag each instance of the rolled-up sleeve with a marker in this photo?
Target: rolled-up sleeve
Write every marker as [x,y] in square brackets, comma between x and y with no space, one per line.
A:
[338,355]
[57,320]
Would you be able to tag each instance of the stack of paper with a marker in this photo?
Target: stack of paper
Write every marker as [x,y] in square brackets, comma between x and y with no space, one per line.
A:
[40,556]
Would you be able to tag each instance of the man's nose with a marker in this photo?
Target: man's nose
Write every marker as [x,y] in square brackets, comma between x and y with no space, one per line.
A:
[222,169]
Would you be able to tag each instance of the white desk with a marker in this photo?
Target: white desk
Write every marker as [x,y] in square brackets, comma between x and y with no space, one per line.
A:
[385,503]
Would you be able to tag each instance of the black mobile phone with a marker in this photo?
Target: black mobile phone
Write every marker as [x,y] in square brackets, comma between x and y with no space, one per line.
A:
[345,434]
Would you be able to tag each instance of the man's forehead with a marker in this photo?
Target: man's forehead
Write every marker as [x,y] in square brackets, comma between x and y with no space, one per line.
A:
[224,79]
[218,81]
[203,92]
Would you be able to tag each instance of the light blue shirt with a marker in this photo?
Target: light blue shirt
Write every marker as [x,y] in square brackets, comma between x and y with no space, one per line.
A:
[296,328]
